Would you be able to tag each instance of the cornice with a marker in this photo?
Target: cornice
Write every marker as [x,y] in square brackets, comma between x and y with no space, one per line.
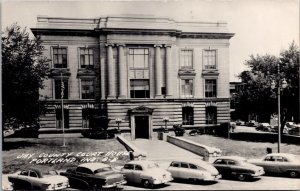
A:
[63,32]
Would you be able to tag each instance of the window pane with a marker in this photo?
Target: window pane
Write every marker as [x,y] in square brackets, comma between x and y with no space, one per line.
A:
[91,60]
[82,62]
[211,115]
[139,88]
[209,59]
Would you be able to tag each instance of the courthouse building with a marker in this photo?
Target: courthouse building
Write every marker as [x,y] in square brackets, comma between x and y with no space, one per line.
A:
[140,70]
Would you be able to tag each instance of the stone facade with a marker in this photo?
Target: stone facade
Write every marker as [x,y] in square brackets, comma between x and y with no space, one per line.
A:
[145,69]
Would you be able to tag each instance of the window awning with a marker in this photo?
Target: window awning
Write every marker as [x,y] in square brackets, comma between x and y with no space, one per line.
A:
[211,104]
[59,106]
[188,104]
[88,106]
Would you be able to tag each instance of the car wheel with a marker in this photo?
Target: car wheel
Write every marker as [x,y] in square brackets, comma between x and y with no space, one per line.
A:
[241,177]
[146,183]
[293,174]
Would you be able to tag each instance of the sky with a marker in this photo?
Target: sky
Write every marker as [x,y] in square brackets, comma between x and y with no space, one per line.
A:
[260,26]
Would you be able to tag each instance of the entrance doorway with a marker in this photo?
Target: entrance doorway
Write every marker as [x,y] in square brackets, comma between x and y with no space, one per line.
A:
[142,127]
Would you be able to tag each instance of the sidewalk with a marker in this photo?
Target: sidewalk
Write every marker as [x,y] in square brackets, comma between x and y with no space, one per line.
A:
[163,152]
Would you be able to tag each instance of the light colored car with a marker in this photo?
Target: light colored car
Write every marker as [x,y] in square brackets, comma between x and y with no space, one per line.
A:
[195,170]
[284,163]
[145,172]
[35,179]
[235,166]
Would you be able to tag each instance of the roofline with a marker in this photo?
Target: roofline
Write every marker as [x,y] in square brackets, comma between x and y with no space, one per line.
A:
[96,32]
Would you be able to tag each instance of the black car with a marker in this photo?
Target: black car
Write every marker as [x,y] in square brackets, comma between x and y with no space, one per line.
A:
[237,167]
[93,175]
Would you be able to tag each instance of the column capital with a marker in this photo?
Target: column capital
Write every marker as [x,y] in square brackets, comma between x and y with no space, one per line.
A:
[158,45]
[120,44]
[109,44]
[168,45]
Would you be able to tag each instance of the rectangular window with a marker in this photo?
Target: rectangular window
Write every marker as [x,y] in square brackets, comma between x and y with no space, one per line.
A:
[87,89]
[186,59]
[59,118]
[138,58]
[210,88]
[58,89]
[188,116]
[187,88]
[60,57]
[210,59]
[86,58]
[211,115]
[163,90]
[87,114]
[139,89]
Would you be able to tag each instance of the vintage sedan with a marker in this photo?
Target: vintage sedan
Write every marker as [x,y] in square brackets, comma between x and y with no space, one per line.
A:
[35,179]
[235,166]
[93,175]
[145,172]
[283,163]
[264,127]
[195,170]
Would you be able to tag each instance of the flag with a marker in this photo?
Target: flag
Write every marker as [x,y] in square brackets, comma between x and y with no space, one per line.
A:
[62,89]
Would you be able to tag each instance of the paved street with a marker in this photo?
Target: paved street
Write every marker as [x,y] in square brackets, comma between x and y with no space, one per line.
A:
[264,183]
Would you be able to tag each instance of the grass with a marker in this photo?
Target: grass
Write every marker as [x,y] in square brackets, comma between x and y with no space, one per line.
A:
[242,148]
[13,148]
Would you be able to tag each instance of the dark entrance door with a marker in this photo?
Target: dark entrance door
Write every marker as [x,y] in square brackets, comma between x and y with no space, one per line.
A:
[142,127]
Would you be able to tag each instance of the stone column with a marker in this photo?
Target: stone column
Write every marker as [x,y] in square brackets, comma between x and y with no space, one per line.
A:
[169,84]
[111,73]
[158,72]
[122,72]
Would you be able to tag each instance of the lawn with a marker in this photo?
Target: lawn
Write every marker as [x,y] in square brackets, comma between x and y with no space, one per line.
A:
[242,148]
[16,152]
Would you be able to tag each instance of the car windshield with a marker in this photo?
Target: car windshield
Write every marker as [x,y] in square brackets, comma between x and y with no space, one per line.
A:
[105,169]
[152,165]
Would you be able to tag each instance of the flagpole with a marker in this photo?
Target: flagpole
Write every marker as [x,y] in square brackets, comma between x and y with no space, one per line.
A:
[62,110]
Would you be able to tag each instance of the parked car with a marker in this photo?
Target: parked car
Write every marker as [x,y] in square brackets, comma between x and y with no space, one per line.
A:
[93,175]
[292,128]
[240,122]
[264,127]
[283,163]
[251,123]
[35,179]
[145,172]
[8,132]
[195,170]
[238,167]
[295,130]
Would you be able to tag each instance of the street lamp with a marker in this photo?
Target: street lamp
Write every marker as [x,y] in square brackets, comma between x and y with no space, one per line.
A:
[273,86]
[118,121]
[166,119]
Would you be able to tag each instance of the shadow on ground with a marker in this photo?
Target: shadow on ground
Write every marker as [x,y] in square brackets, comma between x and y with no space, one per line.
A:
[6,146]
[193,182]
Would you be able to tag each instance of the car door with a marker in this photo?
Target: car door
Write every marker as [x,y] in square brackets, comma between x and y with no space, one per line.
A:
[222,167]
[34,179]
[183,171]
[136,175]
[233,167]
[268,164]
[282,164]
[127,170]
[84,174]
[174,169]
[194,172]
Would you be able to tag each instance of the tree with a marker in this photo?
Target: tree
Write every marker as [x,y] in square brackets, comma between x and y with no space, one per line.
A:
[257,97]
[23,70]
